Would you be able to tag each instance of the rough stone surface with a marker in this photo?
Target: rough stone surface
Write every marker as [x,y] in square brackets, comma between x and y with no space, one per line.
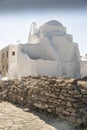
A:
[65,98]
[15,118]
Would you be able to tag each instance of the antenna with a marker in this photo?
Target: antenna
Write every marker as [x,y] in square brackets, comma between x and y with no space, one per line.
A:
[18,41]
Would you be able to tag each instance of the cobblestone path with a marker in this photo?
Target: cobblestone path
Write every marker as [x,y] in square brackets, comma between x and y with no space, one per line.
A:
[14,118]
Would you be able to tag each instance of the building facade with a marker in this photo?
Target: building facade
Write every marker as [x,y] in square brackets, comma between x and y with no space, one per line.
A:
[8,57]
[84,65]
[50,51]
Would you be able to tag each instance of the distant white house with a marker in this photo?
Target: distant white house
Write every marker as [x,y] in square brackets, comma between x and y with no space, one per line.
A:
[84,65]
[8,61]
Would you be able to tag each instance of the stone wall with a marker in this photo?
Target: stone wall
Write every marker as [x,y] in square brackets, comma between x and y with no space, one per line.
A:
[65,98]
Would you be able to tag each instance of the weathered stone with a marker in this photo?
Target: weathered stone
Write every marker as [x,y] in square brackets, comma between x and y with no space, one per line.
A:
[73,81]
[59,110]
[52,82]
[56,102]
[77,96]
[49,110]
[66,95]
[78,105]
[59,80]
[63,103]
[79,121]
[69,104]
[73,114]
[46,106]
[61,97]
[38,105]
[85,96]
[84,120]
[46,94]
[66,113]
[83,91]
[39,97]
[72,99]
[51,106]
[53,95]
[69,109]
[74,92]
[63,91]
[83,83]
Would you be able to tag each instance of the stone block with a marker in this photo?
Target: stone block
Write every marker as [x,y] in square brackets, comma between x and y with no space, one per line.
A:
[49,110]
[71,99]
[84,92]
[59,109]
[79,121]
[72,110]
[78,105]
[39,97]
[46,106]
[39,105]
[77,96]
[69,104]
[61,97]
[63,103]
[66,113]
[73,114]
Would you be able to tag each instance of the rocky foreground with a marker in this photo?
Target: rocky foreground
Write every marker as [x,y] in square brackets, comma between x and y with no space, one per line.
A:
[64,98]
[15,118]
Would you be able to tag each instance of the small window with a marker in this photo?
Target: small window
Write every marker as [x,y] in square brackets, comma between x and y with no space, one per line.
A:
[7,68]
[3,55]
[7,54]
[3,67]
[13,53]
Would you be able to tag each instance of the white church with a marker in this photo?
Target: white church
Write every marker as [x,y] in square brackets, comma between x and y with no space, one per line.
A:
[50,51]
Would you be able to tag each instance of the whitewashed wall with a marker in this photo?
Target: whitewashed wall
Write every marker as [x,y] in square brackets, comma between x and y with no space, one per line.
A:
[27,66]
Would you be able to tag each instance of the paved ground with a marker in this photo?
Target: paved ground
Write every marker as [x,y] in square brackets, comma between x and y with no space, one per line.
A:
[14,118]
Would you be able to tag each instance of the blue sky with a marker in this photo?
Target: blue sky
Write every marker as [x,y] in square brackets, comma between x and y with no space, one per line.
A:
[15,25]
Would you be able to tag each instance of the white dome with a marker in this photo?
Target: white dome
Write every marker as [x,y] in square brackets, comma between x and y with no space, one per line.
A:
[53,22]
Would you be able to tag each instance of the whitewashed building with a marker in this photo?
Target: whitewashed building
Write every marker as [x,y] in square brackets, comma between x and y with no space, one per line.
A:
[84,65]
[8,61]
[50,51]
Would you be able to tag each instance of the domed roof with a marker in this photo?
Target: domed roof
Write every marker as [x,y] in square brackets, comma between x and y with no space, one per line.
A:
[53,22]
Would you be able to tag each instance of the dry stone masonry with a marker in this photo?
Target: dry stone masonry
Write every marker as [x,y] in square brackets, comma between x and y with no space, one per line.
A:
[63,97]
